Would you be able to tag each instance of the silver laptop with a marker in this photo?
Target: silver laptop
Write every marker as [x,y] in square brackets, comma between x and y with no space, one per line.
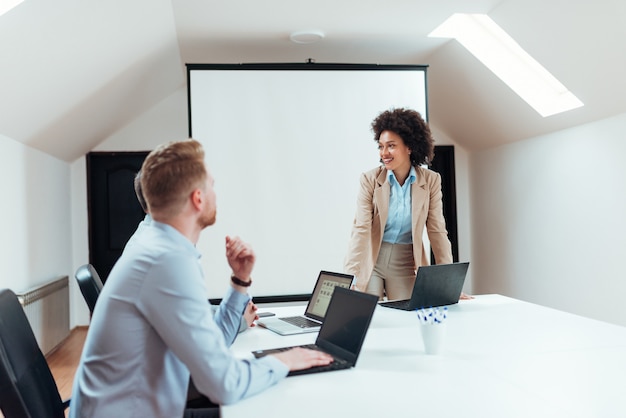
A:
[315,311]
[343,332]
[435,285]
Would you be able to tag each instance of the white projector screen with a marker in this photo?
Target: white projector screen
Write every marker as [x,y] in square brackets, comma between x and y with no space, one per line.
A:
[286,144]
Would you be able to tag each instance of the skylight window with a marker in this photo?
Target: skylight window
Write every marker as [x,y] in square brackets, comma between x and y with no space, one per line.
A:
[488,42]
[6,5]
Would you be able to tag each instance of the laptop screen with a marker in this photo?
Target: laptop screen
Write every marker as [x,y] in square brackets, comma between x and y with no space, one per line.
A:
[438,285]
[347,320]
[323,292]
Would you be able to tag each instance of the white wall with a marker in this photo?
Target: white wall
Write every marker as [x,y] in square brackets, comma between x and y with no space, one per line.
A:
[548,220]
[79,314]
[166,121]
[34,217]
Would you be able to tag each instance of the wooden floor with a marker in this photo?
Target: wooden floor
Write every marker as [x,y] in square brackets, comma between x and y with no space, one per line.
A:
[64,360]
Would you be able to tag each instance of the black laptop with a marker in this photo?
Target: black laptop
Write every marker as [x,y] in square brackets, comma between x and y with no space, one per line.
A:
[435,285]
[342,334]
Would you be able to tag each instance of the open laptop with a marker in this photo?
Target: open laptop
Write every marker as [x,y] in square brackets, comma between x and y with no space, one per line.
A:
[435,285]
[315,311]
[343,331]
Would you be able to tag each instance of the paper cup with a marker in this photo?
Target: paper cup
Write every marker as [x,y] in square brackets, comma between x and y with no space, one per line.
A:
[433,336]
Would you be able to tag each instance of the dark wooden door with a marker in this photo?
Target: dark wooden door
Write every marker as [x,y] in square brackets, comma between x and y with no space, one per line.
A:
[114,211]
[443,163]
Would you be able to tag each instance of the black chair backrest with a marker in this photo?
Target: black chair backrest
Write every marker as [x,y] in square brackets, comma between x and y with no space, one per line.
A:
[90,284]
[27,387]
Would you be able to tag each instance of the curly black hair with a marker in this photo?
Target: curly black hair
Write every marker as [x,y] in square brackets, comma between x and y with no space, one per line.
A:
[413,130]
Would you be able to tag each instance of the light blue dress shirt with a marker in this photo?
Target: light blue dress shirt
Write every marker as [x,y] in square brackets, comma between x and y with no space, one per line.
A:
[398,226]
[146,222]
[152,325]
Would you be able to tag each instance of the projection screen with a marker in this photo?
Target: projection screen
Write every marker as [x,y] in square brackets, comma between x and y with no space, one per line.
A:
[286,144]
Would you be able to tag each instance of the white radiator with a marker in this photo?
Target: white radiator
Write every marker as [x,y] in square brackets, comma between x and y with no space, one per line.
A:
[47,308]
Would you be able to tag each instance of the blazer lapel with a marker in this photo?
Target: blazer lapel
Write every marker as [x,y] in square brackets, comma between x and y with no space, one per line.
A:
[381,198]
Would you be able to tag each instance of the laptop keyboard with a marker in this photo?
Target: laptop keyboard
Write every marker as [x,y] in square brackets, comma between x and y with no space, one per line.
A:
[337,364]
[300,321]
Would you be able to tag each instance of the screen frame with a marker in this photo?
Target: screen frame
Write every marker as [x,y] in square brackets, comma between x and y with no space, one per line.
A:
[305,66]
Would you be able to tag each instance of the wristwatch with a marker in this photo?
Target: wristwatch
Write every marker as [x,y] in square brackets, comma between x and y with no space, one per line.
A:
[239,282]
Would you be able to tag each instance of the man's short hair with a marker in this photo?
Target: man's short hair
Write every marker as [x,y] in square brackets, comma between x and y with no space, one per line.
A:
[139,193]
[170,173]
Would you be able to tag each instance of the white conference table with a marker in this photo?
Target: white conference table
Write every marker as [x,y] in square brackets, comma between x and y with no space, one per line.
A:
[502,358]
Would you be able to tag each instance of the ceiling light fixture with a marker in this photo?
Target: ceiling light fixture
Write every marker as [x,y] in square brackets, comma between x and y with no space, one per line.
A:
[306,36]
[488,42]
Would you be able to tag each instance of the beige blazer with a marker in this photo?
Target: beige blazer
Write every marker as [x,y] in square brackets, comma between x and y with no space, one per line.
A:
[371,217]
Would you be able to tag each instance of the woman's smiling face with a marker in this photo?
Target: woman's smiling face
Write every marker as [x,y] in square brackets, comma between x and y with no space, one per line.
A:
[394,154]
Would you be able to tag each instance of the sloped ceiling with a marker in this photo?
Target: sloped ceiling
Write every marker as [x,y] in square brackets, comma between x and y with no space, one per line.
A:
[74,72]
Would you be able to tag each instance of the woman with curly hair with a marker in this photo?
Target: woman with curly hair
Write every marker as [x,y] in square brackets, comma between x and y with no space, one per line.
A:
[395,201]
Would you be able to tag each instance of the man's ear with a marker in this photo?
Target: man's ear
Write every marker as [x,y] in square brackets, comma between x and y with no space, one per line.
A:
[197,198]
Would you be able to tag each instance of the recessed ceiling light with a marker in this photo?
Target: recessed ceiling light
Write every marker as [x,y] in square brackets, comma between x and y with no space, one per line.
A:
[6,5]
[488,42]
[306,36]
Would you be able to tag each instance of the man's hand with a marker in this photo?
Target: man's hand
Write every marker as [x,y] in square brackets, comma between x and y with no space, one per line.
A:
[240,257]
[302,358]
[250,314]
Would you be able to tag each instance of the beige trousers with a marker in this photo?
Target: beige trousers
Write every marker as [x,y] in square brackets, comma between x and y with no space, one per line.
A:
[394,272]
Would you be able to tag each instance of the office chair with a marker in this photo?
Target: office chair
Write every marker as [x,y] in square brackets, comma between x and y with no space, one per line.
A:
[27,387]
[90,284]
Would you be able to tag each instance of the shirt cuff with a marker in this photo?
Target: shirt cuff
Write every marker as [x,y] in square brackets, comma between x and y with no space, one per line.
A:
[235,298]
[276,365]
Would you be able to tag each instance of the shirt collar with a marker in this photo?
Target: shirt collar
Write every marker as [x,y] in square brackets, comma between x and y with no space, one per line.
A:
[176,236]
[411,179]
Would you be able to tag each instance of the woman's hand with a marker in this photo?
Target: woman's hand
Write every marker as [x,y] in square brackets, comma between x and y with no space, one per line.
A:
[465,296]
